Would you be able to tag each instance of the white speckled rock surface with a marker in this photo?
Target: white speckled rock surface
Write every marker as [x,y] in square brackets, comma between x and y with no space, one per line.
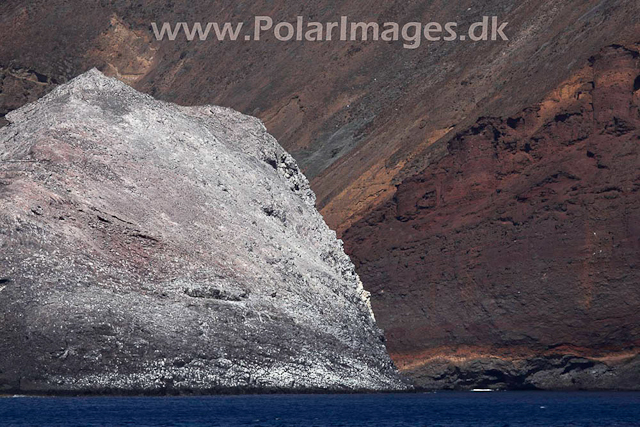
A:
[152,248]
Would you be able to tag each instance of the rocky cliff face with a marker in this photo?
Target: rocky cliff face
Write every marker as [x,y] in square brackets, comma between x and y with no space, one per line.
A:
[149,248]
[517,247]
[370,123]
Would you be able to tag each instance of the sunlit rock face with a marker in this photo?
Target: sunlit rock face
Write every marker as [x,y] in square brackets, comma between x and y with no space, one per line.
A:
[152,248]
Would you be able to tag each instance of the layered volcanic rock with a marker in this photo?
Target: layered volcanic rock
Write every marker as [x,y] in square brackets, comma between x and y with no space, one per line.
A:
[148,247]
[517,248]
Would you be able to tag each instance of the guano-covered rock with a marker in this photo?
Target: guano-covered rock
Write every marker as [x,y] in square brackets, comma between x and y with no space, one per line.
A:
[153,248]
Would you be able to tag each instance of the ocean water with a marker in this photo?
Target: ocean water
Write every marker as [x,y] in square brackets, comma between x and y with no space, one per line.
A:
[421,409]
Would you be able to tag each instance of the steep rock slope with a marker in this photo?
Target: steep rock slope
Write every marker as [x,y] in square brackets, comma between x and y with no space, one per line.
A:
[150,248]
[353,114]
[517,247]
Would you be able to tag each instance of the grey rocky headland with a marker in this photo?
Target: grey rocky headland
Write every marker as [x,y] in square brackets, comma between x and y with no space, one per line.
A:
[147,247]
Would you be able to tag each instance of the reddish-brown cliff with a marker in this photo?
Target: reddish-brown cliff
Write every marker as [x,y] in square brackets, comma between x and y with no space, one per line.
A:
[521,238]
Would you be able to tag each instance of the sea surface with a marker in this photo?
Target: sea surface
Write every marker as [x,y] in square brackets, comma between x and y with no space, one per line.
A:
[421,409]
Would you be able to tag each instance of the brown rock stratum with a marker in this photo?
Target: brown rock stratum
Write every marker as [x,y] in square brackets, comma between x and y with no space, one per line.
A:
[376,127]
[521,238]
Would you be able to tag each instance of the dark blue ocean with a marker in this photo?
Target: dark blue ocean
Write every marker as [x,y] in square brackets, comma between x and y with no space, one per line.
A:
[423,409]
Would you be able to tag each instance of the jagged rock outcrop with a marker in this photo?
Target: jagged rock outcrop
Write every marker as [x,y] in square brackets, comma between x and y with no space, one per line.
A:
[550,372]
[520,240]
[151,248]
